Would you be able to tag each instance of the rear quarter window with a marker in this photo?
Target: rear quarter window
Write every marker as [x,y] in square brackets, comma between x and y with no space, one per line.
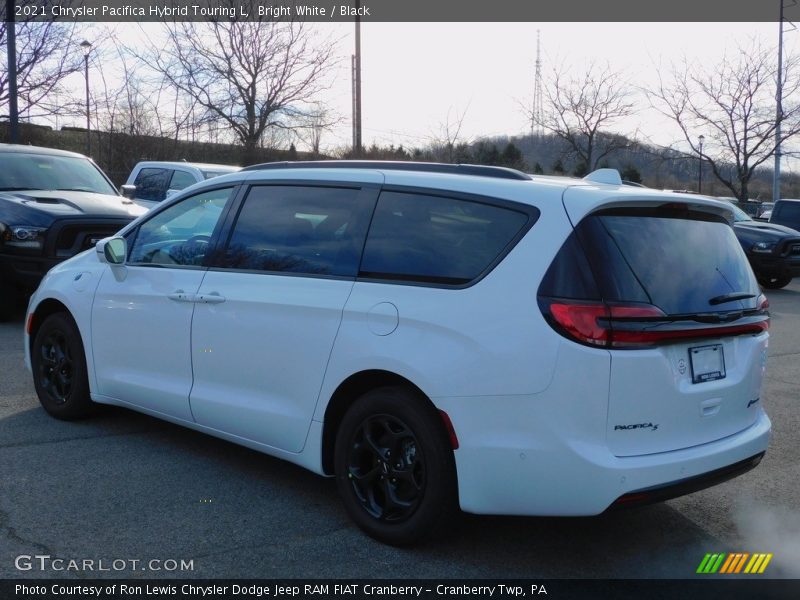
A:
[673,259]
[787,213]
[422,238]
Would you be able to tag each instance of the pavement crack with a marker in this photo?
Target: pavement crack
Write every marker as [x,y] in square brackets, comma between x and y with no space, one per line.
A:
[10,532]
[781,354]
[79,437]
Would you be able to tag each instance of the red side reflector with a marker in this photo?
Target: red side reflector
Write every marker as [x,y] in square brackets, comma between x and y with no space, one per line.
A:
[29,324]
[451,432]
[632,497]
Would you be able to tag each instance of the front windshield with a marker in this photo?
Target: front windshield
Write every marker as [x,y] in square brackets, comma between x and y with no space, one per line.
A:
[29,171]
[739,214]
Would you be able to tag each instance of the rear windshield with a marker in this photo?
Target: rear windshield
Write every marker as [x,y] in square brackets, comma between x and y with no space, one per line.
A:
[23,171]
[676,260]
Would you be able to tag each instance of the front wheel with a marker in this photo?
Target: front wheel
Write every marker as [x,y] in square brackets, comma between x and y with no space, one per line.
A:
[59,368]
[774,282]
[9,301]
[395,468]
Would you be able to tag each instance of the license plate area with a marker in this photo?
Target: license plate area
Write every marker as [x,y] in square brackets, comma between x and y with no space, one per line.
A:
[707,363]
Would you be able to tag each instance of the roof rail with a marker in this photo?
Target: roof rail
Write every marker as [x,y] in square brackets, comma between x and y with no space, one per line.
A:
[388,165]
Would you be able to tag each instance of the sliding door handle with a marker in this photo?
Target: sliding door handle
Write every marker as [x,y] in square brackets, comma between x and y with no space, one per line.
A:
[212,298]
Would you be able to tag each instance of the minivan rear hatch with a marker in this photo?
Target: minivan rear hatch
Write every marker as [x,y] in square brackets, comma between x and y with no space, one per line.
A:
[668,291]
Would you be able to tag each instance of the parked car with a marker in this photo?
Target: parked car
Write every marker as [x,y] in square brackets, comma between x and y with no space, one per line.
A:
[151,182]
[786,212]
[434,336]
[53,205]
[773,250]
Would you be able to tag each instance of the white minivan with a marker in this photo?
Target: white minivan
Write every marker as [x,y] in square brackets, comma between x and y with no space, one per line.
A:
[434,336]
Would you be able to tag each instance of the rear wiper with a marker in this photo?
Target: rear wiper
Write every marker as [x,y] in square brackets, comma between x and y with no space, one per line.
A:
[730,298]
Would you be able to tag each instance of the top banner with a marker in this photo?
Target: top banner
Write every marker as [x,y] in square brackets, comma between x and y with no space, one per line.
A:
[402,10]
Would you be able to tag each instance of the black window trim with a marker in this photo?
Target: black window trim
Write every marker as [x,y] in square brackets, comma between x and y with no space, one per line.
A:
[529,210]
[370,190]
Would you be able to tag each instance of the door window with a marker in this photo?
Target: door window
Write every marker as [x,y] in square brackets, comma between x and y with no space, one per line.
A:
[180,234]
[151,184]
[299,229]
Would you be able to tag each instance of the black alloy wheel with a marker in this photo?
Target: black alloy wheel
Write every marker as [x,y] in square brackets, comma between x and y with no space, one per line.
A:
[385,468]
[395,469]
[59,368]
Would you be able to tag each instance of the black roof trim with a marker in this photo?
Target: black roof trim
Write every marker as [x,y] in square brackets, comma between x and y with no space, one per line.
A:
[457,169]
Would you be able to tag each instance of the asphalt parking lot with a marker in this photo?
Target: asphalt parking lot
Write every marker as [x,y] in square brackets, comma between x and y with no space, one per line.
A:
[123,486]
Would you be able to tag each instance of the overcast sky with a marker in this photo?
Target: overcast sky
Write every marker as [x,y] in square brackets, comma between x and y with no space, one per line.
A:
[413,74]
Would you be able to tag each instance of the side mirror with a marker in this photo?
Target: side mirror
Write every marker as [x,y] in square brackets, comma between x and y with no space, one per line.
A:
[129,191]
[112,250]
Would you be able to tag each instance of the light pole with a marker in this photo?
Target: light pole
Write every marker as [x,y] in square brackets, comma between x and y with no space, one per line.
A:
[87,47]
[701,139]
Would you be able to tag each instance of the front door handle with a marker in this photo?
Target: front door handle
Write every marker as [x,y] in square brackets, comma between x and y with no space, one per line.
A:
[211,298]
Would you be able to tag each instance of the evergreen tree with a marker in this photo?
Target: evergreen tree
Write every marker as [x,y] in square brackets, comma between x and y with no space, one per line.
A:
[512,157]
[631,173]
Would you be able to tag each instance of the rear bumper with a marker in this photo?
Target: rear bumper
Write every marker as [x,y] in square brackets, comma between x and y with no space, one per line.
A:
[690,485]
[545,472]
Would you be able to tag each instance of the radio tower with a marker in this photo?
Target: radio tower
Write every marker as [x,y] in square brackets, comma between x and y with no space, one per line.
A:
[536,109]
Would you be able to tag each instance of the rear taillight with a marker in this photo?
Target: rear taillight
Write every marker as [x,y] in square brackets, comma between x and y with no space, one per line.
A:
[625,326]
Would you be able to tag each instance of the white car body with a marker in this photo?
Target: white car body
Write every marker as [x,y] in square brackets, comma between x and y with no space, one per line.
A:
[537,416]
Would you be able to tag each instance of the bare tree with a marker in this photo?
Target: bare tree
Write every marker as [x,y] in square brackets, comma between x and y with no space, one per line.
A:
[445,144]
[47,52]
[310,128]
[579,110]
[732,104]
[251,76]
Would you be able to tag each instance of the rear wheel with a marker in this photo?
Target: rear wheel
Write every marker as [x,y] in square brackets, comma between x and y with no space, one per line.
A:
[59,368]
[394,467]
[774,282]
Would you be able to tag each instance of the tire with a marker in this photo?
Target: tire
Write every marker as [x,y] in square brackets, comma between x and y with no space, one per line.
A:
[59,369]
[9,301]
[774,282]
[395,468]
